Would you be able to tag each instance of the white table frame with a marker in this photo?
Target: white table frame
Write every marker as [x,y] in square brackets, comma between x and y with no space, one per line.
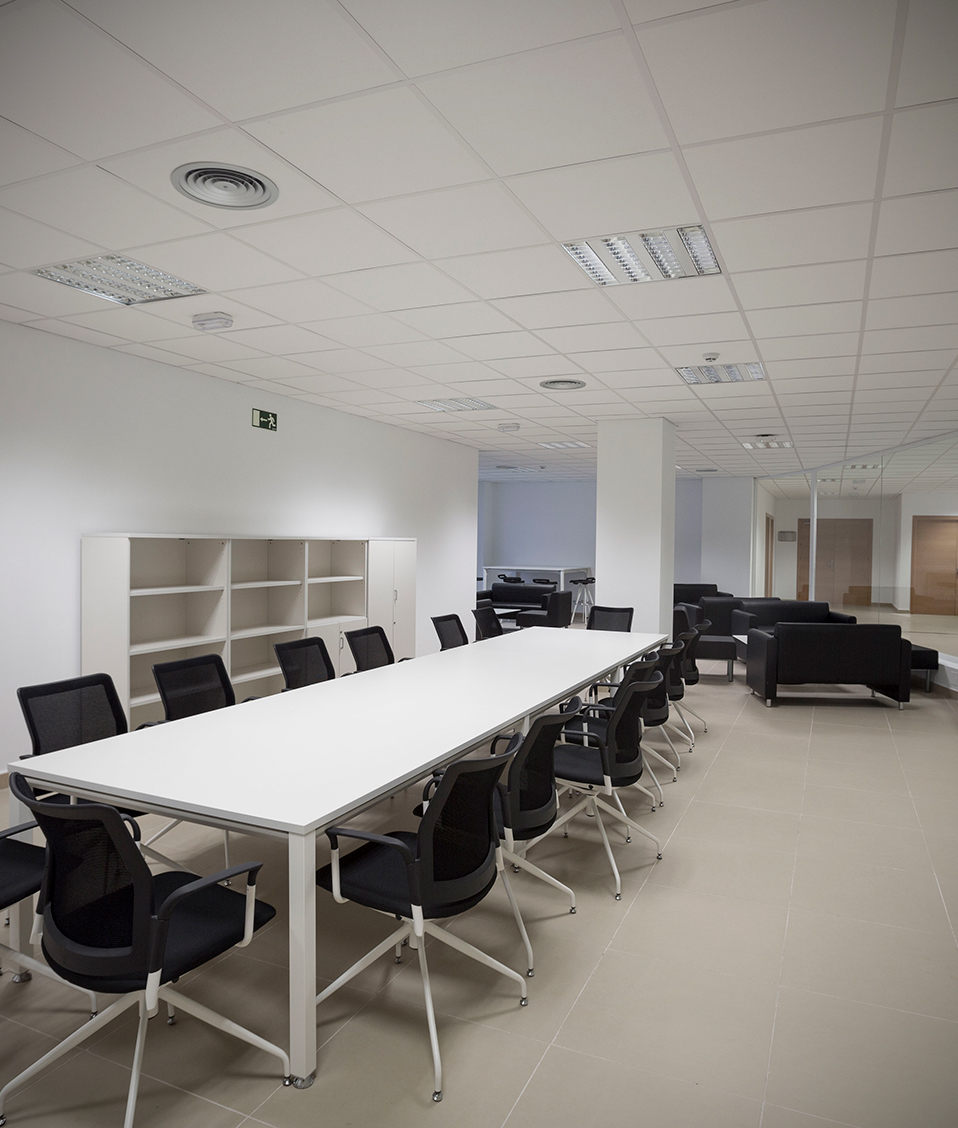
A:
[232,768]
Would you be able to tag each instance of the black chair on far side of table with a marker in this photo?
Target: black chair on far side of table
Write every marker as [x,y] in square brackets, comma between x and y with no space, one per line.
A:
[610,618]
[439,871]
[304,661]
[110,925]
[450,630]
[370,649]
[488,623]
[190,686]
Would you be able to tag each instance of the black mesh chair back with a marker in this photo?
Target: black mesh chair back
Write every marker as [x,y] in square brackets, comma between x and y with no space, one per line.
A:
[370,648]
[304,661]
[530,792]
[623,732]
[655,711]
[193,685]
[610,618]
[487,622]
[458,836]
[690,671]
[450,630]
[63,714]
[675,682]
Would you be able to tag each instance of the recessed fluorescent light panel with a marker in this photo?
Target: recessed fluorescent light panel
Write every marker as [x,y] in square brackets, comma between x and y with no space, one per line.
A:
[119,279]
[721,373]
[456,405]
[646,256]
[767,444]
[563,445]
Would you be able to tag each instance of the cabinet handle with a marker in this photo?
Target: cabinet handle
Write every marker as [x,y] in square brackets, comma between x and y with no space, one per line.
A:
[395,595]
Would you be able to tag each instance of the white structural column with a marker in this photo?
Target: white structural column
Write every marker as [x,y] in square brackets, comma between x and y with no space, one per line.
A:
[635,519]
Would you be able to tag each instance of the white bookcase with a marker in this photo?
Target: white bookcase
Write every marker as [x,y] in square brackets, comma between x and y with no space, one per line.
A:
[155,598]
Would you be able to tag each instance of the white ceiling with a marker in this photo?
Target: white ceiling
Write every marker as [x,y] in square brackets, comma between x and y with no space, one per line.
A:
[431,158]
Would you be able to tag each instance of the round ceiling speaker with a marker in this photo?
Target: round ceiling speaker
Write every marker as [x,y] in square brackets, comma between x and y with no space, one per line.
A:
[561,385]
[224,187]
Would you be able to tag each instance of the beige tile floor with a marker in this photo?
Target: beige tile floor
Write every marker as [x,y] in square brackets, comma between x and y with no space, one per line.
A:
[790,963]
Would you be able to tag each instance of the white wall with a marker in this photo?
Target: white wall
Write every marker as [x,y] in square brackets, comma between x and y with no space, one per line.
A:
[688,530]
[93,441]
[548,523]
[727,505]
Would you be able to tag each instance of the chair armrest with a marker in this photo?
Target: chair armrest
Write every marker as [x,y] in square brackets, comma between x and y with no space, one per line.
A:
[151,724]
[405,659]
[742,621]
[165,911]
[485,594]
[19,829]
[412,870]
[692,612]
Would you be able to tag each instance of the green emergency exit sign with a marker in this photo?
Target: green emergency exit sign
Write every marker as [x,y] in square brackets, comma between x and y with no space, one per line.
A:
[265,419]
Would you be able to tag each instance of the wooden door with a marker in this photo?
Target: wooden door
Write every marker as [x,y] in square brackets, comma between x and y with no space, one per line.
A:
[769,552]
[934,565]
[843,561]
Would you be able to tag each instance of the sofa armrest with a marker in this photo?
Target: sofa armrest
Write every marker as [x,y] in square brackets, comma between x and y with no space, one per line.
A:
[742,621]
[839,617]
[727,594]
[487,594]
[761,673]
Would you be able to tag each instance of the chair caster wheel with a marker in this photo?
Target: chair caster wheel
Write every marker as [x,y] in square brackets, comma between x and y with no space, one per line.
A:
[22,977]
[572,910]
[93,1014]
[515,869]
[659,856]
[404,943]
[523,1002]
[228,882]
[618,896]
[629,838]
[437,1096]
[530,973]
[171,1021]
[3,1121]
[399,959]
[675,779]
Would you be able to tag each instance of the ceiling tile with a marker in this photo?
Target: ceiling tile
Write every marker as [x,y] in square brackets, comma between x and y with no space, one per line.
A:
[799,369]
[835,317]
[8,313]
[801,285]
[918,223]
[433,223]
[270,368]
[415,352]
[575,307]
[78,332]
[705,327]
[601,198]
[370,329]
[212,347]
[926,273]
[94,205]
[279,340]
[305,300]
[59,78]
[538,367]
[457,320]
[181,312]
[28,244]
[150,169]
[369,147]
[215,48]
[798,168]
[341,360]
[898,379]
[924,338]
[617,360]
[43,297]
[794,238]
[929,309]
[908,361]
[327,242]
[505,274]
[429,35]
[494,346]
[587,338]
[321,384]
[922,155]
[641,379]
[151,352]
[767,53]
[25,155]
[130,323]
[824,345]
[408,286]
[522,112]
[928,73]
[676,298]
[215,262]
[455,373]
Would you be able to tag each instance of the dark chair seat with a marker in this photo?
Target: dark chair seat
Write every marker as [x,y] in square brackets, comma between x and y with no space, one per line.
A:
[583,764]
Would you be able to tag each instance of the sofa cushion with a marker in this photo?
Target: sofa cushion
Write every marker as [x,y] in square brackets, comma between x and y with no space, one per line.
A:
[834,653]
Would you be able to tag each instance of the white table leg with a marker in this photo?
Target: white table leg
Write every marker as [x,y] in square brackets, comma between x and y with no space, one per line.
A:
[21,914]
[302,958]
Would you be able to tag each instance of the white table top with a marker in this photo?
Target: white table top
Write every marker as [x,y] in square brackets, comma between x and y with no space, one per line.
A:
[296,762]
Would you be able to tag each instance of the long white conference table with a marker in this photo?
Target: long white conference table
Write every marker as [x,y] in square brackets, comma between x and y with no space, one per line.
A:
[296,763]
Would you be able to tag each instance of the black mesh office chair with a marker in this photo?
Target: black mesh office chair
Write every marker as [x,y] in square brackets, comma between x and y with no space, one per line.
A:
[439,871]
[656,712]
[595,769]
[304,661]
[110,925]
[689,668]
[193,685]
[370,648]
[610,618]
[528,803]
[488,623]
[450,630]
[63,714]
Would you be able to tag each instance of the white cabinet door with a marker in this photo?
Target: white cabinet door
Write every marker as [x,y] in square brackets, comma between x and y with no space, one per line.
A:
[379,586]
[404,598]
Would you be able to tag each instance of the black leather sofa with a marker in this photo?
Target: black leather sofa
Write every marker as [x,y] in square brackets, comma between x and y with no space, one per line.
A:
[692,593]
[532,596]
[870,654]
[765,613]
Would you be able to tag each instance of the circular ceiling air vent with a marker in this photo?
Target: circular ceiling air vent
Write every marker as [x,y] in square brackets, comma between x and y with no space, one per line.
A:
[224,187]
[561,385]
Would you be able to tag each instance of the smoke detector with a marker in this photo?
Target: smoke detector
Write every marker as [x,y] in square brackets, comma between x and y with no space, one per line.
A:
[210,321]
[505,428]
[222,187]
[710,357]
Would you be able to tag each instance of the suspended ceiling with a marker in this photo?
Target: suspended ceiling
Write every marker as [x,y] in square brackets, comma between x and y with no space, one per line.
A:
[433,156]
